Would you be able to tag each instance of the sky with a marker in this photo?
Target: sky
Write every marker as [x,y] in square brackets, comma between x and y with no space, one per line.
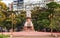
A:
[9,1]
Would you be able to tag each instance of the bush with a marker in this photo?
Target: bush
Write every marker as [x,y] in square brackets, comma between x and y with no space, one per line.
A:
[4,36]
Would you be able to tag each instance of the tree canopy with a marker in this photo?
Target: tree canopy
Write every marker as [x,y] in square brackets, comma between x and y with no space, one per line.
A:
[3,5]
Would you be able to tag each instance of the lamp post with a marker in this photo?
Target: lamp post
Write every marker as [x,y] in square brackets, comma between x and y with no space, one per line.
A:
[12,18]
[51,16]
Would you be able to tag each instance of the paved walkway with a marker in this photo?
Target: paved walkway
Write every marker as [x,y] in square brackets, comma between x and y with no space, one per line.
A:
[36,37]
[23,33]
[31,34]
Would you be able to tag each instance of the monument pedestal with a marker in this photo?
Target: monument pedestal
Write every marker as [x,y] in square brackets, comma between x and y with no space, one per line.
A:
[28,26]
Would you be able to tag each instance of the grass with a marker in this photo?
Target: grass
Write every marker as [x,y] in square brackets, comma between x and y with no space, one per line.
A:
[4,36]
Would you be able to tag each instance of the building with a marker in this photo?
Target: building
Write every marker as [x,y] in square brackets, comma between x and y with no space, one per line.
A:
[10,6]
[22,5]
[31,4]
[18,5]
[41,3]
[44,2]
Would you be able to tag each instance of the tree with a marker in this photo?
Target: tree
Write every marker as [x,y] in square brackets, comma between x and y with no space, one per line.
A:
[2,18]
[51,8]
[57,18]
[3,8]
[40,18]
[21,16]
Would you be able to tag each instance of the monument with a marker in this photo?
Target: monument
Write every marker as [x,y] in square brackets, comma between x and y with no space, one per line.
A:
[28,26]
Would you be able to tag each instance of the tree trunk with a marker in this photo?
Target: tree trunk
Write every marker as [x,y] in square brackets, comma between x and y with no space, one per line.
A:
[51,31]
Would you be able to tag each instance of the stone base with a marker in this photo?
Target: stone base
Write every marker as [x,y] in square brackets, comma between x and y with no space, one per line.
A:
[28,28]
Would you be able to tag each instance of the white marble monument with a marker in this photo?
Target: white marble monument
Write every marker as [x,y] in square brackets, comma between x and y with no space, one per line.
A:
[28,13]
[28,26]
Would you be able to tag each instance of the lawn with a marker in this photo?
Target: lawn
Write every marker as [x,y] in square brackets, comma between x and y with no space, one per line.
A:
[4,36]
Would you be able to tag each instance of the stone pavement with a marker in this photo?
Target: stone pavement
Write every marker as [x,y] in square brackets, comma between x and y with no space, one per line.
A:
[36,37]
[24,34]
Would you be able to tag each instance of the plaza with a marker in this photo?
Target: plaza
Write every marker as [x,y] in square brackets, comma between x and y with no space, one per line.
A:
[32,34]
[30,19]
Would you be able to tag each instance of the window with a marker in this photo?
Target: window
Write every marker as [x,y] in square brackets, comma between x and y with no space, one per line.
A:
[20,0]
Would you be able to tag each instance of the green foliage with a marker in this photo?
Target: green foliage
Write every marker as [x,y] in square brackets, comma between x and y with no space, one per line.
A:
[3,5]
[53,9]
[4,36]
[40,19]
[57,18]
[52,5]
